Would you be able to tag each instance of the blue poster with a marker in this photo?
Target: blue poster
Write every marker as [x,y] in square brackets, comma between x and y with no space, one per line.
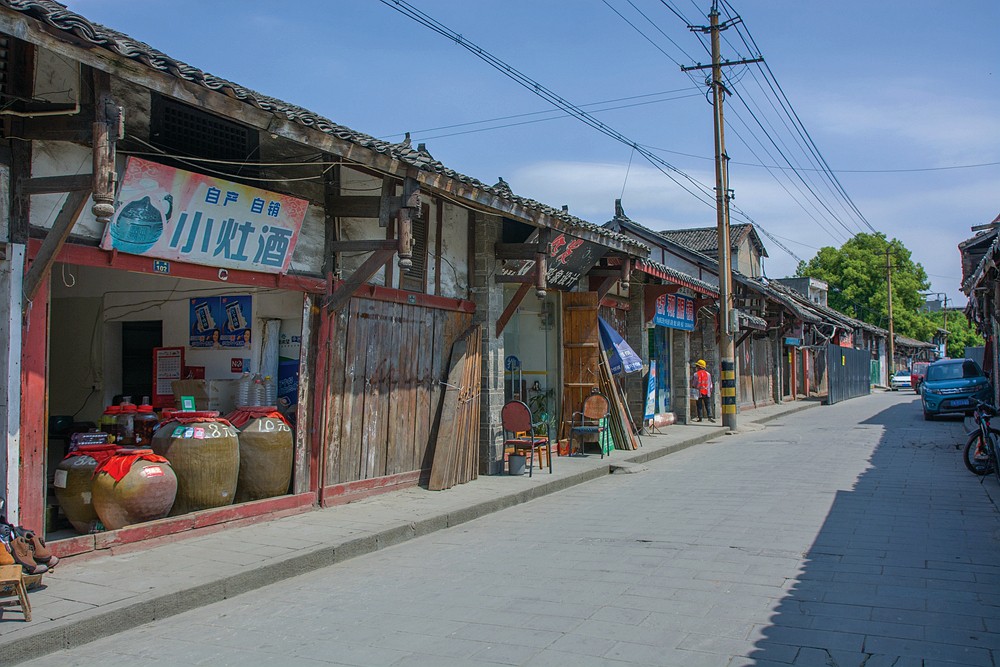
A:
[651,392]
[206,322]
[674,311]
[237,318]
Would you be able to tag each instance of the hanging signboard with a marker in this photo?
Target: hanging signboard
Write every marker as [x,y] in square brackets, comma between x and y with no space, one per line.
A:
[569,260]
[172,214]
[674,311]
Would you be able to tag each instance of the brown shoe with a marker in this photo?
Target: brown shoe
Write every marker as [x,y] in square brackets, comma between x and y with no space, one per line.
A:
[21,550]
[40,551]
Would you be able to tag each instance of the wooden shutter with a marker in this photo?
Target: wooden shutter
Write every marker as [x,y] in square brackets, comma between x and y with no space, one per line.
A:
[414,279]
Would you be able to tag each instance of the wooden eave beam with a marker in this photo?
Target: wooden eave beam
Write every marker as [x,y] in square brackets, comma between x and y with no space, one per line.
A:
[345,290]
[366,245]
[49,185]
[46,257]
[518,250]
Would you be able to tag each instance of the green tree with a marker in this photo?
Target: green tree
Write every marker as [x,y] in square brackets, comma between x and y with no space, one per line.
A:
[855,273]
[961,334]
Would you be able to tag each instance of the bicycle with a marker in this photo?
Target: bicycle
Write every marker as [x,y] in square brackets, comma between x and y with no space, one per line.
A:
[982,450]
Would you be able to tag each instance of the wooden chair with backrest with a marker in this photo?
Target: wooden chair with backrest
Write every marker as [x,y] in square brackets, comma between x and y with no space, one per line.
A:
[588,421]
[12,586]
[519,435]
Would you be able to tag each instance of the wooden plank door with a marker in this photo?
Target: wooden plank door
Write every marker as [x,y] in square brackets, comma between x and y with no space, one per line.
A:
[581,352]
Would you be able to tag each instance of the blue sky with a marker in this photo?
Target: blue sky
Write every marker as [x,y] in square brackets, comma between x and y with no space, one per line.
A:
[879,87]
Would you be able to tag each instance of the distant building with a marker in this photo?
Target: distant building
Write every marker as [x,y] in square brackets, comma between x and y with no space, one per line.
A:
[745,245]
[815,289]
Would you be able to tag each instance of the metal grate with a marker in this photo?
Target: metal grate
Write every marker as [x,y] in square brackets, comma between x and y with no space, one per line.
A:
[183,130]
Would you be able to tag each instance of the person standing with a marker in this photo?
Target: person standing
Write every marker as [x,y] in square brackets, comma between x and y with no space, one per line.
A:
[702,383]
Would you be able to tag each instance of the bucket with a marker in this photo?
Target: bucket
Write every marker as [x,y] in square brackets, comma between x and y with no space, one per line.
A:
[564,447]
[516,464]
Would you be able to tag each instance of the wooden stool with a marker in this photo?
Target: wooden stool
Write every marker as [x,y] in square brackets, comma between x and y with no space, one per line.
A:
[12,585]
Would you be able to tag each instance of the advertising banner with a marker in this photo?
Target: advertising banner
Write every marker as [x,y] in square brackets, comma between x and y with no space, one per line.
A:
[172,214]
[674,311]
[221,322]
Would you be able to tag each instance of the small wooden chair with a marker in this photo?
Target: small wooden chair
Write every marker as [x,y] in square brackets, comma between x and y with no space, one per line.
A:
[11,586]
[587,422]
[519,435]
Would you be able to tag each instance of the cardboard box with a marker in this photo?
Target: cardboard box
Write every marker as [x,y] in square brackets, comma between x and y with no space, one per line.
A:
[219,395]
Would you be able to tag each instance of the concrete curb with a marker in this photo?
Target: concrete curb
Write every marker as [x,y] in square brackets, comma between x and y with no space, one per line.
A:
[118,617]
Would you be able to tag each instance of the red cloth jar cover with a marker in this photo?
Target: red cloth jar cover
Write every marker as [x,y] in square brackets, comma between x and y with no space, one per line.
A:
[118,464]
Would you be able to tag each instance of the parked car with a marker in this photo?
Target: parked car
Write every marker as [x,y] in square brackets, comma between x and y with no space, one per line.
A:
[918,373]
[951,385]
[899,380]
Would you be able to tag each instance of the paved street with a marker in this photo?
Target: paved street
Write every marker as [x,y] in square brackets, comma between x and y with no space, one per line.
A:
[842,535]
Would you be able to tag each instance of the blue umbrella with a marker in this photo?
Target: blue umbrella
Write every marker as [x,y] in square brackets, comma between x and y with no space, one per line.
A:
[620,355]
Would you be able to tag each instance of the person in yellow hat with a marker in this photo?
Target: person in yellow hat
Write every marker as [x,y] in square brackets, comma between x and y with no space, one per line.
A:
[702,382]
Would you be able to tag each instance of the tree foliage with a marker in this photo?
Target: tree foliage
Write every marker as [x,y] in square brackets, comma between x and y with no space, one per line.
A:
[961,334]
[856,275]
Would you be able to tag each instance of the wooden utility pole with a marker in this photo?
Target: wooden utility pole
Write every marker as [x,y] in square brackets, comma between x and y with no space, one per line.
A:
[727,349]
[888,286]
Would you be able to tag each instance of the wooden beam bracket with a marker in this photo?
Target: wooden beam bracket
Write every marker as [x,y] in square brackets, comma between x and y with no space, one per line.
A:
[54,240]
[343,292]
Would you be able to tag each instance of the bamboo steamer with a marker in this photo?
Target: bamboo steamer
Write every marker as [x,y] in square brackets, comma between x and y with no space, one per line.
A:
[72,482]
[145,493]
[205,454]
[266,451]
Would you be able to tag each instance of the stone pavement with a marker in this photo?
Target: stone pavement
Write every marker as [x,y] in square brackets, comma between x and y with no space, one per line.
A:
[87,598]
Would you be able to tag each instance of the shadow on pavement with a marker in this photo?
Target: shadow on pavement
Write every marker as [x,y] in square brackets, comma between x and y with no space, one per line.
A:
[906,567]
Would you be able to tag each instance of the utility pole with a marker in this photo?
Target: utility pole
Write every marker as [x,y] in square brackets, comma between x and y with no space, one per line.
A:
[727,352]
[945,327]
[888,286]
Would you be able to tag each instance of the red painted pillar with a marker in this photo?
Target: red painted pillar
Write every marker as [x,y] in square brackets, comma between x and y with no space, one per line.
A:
[792,354]
[805,372]
[34,410]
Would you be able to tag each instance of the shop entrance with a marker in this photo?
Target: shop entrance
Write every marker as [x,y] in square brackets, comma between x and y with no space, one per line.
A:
[531,347]
[106,328]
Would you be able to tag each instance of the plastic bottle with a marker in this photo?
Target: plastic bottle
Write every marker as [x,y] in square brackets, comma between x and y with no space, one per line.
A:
[270,392]
[126,422]
[109,422]
[257,391]
[145,423]
[243,390]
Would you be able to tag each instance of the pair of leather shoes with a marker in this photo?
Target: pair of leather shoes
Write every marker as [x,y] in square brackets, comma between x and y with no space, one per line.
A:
[20,549]
[39,550]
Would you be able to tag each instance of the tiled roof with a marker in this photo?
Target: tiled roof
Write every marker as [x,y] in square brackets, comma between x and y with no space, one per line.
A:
[678,277]
[706,239]
[79,29]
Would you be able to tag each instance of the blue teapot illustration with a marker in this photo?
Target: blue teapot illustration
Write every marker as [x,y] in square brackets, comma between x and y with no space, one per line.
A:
[139,224]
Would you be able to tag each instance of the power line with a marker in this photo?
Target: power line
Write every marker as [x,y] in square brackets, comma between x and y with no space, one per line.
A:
[542,120]
[545,111]
[745,35]
[664,167]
